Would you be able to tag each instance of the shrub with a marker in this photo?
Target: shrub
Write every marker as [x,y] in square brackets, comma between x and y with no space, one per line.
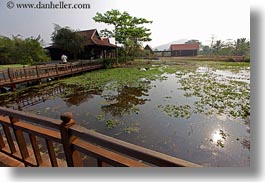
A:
[108,62]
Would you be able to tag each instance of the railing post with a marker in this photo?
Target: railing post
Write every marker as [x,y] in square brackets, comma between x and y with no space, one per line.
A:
[56,66]
[4,76]
[72,156]
[71,66]
[82,66]
[37,71]
[25,73]
[10,74]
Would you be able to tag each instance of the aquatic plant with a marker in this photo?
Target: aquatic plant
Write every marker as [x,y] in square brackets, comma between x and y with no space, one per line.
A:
[181,111]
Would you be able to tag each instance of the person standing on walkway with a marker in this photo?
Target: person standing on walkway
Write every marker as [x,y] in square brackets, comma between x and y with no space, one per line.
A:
[64,58]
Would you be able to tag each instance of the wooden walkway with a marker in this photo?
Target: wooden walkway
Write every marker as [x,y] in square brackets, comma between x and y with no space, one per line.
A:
[11,77]
[38,141]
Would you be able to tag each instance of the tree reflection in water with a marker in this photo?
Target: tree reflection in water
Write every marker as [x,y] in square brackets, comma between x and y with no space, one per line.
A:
[78,96]
[125,101]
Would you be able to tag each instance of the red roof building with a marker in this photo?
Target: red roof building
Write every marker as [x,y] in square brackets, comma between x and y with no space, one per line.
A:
[184,49]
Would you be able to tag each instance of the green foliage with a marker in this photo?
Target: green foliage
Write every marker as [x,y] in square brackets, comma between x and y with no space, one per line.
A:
[68,40]
[17,50]
[239,47]
[217,47]
[242,47]
[247,58]
[110,62]
[128,30]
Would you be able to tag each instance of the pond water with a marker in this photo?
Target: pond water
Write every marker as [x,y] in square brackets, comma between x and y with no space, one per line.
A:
[200,114]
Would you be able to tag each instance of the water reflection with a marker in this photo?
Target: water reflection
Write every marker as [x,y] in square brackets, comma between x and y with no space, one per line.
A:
[125,102]
[31,96]
[245,143]
[219,137]
[78,96]
[201,138]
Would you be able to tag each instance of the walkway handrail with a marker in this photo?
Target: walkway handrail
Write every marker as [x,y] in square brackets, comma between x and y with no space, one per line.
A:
[11,77]
[74,140]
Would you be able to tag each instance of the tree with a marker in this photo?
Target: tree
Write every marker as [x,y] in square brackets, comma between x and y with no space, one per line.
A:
[22,51]
[205,50]
[128,30]
[217,46]
[242,47]
[228,48]
[68,40]
[6,47]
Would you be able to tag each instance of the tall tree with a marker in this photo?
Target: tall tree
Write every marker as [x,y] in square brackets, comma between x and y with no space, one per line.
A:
[128,30]
[6,47]
[68,40]
[22,51]
[242,46]
[217,46]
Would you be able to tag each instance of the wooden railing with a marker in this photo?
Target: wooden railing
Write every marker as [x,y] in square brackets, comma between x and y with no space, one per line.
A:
[22,132]
[11,77]
[35,98]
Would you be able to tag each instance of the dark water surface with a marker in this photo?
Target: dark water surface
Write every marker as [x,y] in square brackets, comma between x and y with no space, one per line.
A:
[201,116]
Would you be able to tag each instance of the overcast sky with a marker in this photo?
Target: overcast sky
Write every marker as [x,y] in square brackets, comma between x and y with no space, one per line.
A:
[172,19]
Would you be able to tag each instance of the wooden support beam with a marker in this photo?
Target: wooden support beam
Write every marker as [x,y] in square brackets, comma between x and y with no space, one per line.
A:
[20,140]
[9,139]
[2,143]
[36,149]
[51,152]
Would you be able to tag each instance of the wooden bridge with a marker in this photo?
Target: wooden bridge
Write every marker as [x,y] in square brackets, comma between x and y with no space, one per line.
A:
[35,98]
[12,77]
[68,144]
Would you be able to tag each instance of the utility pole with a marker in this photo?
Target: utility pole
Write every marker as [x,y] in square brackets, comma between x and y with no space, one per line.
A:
[212,41]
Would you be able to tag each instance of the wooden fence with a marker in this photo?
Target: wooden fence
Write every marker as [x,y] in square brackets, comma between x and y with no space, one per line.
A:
[21,133]
[11,77]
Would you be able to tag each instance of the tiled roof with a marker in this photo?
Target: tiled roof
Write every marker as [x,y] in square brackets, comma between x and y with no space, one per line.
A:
[92,38]
[177,47]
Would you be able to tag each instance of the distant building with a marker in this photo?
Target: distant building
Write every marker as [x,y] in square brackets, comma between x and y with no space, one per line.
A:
[94,47]
[184,49]
[148,48]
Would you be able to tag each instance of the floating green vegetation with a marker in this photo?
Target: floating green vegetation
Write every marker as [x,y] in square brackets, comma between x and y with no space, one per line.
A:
[217,96]
[100,117]
[182,111]
[112,123]
[132,128]
[119,77]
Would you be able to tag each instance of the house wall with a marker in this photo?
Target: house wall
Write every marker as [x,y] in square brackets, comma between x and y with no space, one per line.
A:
[176,53]
[184,53]
[89,52]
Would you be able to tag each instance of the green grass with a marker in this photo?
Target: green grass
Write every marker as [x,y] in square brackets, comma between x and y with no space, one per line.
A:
[3,67]
[119,77]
